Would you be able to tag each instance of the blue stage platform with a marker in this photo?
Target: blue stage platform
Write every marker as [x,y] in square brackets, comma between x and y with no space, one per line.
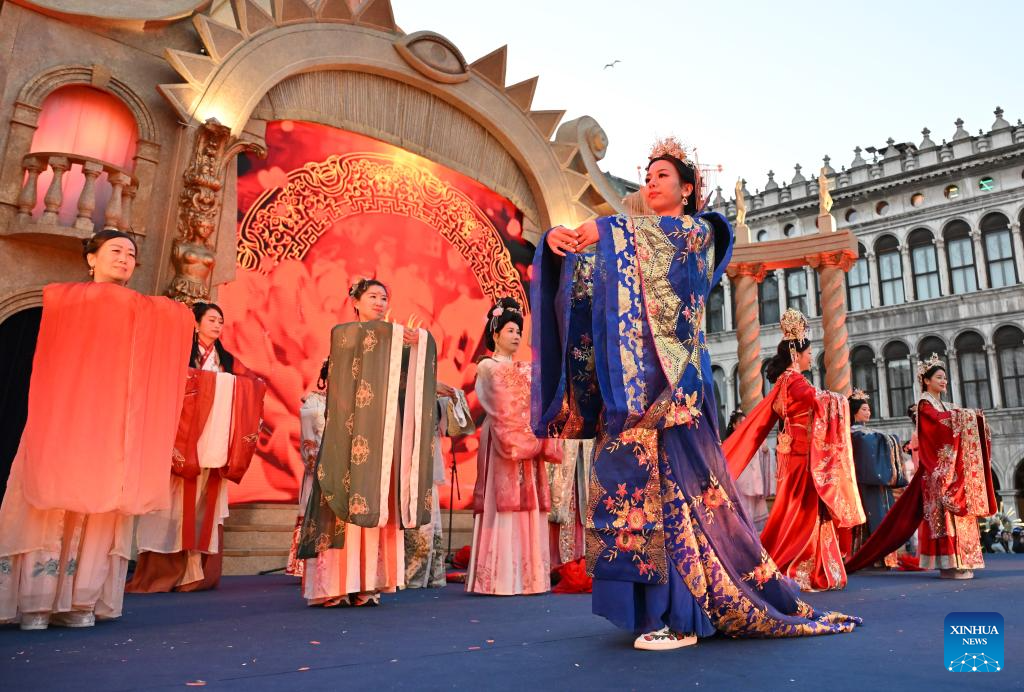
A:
[255,633]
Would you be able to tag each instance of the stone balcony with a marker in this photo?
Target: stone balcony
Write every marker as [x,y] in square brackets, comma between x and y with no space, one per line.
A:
[47,227]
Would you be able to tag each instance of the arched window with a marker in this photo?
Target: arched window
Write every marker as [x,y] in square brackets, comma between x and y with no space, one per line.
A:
[924,263]
[890,270]
[79,119]
[719,377]
[858,290]
[796,289]
[929,345]
[995,234]
[960,251]
[789,230]
[768,300]
[862,370]
[716,310]
[850,216]
[762,235]
[901,384]
[1009,343]
[974,388]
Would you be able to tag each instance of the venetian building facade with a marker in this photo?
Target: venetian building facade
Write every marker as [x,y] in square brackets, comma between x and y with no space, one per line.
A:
[940,265]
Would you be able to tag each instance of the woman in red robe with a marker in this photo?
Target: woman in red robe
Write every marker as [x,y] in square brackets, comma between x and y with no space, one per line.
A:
[180,549]
[817,493]
[952,488]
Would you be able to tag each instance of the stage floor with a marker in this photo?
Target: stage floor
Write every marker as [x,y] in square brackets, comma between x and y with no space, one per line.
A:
[255,633]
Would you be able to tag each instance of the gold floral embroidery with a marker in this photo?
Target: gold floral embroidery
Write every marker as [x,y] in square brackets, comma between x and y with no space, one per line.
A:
[369,341]
[346,481]
[357,368]
[364,394]
[360,450]
[357,505]
[350,423]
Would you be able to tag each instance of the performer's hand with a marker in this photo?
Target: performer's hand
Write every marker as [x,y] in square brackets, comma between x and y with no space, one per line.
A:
[445,390]
[562,240]
[410,336]
[586,235]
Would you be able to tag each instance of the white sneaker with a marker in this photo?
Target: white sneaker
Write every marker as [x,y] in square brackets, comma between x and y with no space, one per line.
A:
[663,640]
[956,574]
[35,621]
[74,618]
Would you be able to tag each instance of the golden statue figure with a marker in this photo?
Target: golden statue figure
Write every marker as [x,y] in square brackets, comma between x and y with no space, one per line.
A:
[824,198]
[741,203]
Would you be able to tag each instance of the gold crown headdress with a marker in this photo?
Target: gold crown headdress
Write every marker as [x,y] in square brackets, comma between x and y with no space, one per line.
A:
[859,395]
[670,146]
[794,325]
[926,365]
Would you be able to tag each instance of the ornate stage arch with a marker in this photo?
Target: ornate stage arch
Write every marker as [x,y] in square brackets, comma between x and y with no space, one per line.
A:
[328,206]
[284,223]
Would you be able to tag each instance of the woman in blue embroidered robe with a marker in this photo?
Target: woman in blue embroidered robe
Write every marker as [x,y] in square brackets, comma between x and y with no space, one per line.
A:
[878,461]
[619,353]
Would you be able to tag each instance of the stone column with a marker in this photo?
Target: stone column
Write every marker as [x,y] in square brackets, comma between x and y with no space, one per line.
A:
[812,296]
[780,281]
[873,285]
[980,262]
[1017,242]
[915,383]
[745,278]
[1008,497]
[727,307]
[943,265]
[908,274]
[832,268]
[882,378]
[995,381]
[956,394]
[729,394]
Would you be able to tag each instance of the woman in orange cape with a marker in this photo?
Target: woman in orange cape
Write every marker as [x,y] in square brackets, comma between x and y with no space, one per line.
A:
[817,493]
[951,489]
[108,378]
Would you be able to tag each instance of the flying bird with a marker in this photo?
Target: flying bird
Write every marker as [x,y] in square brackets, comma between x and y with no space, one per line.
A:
[612,64]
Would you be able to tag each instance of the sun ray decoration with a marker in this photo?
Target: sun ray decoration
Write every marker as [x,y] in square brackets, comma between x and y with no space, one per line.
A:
[220,41]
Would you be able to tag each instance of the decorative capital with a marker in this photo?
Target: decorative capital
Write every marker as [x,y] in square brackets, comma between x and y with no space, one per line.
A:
[843,259]
[755,270]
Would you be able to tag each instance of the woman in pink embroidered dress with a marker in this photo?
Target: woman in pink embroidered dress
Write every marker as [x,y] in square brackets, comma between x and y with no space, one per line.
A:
[511,499]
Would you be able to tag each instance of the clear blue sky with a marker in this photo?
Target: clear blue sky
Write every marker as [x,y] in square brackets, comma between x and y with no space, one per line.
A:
[753,85]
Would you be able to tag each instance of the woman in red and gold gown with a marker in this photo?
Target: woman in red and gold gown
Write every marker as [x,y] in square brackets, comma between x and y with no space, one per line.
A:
[952,488]
[817,493]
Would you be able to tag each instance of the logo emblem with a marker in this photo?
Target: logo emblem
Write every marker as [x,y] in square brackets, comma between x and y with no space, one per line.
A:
[973,643]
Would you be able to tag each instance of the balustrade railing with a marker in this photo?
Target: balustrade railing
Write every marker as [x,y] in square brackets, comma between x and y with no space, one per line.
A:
[118,211]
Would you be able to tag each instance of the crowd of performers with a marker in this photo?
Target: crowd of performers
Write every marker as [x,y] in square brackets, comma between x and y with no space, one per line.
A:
[602,452]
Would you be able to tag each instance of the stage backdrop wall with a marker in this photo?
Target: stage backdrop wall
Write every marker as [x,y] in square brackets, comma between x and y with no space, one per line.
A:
[327,207]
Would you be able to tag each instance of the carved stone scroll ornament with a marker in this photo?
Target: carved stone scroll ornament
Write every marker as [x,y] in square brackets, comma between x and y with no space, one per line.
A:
[199,207]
